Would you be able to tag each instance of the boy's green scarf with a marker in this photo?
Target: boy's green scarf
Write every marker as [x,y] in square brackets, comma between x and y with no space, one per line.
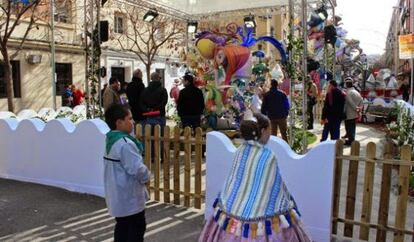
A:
[113,136]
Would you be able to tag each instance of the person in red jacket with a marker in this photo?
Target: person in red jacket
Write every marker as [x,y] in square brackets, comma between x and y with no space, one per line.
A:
[175,90]
[78,96]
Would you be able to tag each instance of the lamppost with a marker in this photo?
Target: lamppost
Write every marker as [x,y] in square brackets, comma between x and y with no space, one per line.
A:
[305,72]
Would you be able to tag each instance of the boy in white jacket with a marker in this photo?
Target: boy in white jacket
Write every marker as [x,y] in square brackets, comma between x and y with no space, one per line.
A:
[125,176]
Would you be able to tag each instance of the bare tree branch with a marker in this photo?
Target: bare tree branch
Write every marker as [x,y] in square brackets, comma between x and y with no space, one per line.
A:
[2,8]
[11,18]
[147,39]
[20,15]
[31,22]
[8,13]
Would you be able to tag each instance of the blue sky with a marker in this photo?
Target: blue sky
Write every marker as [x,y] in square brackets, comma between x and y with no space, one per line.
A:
[368,21]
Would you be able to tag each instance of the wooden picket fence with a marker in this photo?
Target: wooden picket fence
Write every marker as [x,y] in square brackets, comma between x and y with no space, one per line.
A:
[177,154]
[377,184]
[363,211]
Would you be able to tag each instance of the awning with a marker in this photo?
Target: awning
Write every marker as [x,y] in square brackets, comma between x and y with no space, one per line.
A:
[205,7]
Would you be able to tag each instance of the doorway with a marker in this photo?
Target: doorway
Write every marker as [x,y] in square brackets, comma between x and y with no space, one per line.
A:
[119,73]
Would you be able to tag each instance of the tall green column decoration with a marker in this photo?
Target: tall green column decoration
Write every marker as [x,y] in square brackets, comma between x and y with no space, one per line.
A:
[295,73]
[93,76]
[92,57]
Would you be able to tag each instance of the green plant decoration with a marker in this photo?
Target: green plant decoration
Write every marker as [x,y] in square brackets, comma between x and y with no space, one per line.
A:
[295,73]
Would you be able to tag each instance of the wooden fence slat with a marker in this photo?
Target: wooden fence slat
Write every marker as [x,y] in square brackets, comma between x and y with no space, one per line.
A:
[166,164]
[351,191]
[147,136]
[377,161]
[187,165]
[402,199]
[337,184]
[368,191]
[138,132]
[157,147]
[384,194]
[192,194]
[198,161]
[176,165]
[192,140]
[373,226]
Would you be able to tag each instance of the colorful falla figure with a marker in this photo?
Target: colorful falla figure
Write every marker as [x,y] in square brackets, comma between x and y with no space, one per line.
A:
[229,57]
[231,51]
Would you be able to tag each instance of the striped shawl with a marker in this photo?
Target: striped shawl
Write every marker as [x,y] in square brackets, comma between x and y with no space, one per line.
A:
[254,189]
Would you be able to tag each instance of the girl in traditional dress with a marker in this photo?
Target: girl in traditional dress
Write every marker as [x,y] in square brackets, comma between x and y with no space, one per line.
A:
[254,204]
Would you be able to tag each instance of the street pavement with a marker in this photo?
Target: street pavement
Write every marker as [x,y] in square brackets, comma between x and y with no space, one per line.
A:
[32,212]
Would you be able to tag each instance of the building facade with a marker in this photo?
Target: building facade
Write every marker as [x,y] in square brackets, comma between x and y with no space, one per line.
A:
[401,23]
[32,72]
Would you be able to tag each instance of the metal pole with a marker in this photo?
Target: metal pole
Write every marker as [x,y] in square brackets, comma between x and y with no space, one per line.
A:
[305,71]
[53,51]
[92,56]
[411,60]
[396,27]
[85,25]
[291,53]
[334,48]
[98,25]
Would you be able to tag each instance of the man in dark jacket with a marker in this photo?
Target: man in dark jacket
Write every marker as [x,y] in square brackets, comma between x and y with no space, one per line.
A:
[153,100]
[276,106]
[133,92]
[190,103]
[333,112]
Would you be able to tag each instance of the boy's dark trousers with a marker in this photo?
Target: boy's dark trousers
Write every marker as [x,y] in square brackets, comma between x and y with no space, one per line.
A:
[130,228]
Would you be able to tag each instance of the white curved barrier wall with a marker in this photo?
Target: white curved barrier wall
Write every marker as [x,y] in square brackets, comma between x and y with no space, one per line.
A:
[46,114]
[57,153]
[26,114]
[309,178]
[6,114]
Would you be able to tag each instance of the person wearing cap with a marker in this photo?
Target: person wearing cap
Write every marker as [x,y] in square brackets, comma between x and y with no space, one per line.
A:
[332,112]
[353,104]
[190,104]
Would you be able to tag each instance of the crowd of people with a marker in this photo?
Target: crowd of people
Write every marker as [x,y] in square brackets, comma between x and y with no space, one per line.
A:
[148,104]
[340,104]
